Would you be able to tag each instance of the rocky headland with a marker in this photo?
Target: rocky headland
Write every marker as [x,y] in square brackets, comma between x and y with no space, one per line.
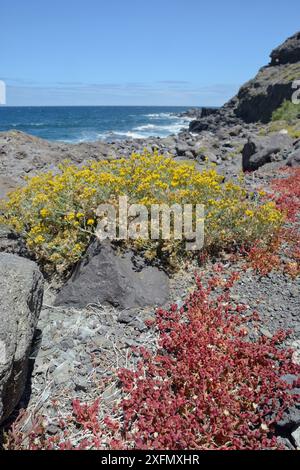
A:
[62,347]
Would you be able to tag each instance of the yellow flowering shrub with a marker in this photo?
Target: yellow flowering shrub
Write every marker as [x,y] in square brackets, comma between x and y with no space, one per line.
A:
[57,213]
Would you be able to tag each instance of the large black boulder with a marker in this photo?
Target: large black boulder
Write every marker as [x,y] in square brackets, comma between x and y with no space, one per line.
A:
[107,276]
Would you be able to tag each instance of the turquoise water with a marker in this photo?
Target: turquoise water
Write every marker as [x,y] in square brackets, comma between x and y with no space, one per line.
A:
[84,124]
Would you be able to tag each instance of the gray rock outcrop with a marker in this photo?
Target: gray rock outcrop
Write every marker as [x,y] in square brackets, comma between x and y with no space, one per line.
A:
[261,150]
[21,294]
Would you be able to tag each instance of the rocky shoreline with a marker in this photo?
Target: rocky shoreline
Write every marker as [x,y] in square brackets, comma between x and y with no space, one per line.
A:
[77,346]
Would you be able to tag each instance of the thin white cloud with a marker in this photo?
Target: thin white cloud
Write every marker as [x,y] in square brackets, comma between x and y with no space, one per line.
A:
[168,92]
[174,82]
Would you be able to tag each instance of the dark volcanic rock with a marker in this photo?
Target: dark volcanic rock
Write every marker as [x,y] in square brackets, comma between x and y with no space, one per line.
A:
[198,113]
[199,126]
[260,97]
[212,121]
[107,277]
[288,52]
[260,150]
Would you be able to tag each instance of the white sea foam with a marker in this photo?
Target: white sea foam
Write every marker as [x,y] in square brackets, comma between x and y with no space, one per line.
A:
[85,137]
[162,129]
[30,124]
[129,134]
[145,127]
[161,116]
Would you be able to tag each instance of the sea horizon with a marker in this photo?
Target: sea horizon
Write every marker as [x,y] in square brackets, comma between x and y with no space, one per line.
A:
[79,123]
[105,106]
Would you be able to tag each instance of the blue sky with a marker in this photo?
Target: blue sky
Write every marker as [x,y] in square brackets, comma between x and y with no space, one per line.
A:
[136,52]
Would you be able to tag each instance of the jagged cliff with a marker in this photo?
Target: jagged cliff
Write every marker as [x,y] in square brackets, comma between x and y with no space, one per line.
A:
[261,96]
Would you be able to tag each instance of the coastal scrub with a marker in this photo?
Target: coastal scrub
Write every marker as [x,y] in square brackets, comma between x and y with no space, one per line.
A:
[56,213]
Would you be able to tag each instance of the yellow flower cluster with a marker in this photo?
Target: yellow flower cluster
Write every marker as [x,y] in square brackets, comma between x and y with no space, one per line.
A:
[57,213]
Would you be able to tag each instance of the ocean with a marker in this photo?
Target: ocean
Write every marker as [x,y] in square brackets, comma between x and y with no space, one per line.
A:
[86,123]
